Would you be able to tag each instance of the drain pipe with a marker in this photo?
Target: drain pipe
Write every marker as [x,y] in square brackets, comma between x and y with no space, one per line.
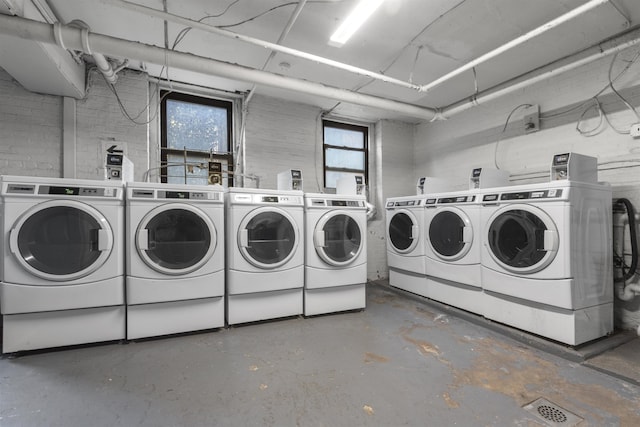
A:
[107,45]
[514,43]
[148,11]
[626,291]
[587,56]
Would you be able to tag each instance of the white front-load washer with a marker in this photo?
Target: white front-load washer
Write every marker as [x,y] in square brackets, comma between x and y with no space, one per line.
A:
[452,224]
[265,254]
[175,278]
[62,262]
[406,236]
[547,259]
[335,254]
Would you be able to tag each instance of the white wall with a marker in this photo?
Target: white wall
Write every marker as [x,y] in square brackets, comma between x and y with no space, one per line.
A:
[452,148]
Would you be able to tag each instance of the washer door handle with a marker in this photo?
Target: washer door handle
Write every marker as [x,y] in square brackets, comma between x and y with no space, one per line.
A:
[143,239]
[467,234]
[550,241]
[320,239]
[415,231]
[13,241]
[244,238]
[104,240]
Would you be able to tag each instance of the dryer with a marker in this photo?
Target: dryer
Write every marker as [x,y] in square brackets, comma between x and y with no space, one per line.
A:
[265,254]
[62,262]
[175,258]
[335,253]
[452,224]
[547,259]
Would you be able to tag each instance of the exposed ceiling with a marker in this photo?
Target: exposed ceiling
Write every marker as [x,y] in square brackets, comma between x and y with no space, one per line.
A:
[414,41]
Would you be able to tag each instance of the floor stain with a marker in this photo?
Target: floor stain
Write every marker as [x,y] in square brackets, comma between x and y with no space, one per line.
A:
[449,401]
[368,409]
[372,357]
[425,348]
[520,374]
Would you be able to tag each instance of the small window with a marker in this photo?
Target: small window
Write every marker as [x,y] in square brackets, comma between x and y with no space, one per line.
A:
[345,151]
[196,138]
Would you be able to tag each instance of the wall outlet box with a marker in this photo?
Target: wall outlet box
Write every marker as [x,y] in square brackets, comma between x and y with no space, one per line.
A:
[531,119]
[634,130]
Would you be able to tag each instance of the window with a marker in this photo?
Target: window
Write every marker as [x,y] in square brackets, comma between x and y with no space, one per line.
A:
[196,139]
[345,151]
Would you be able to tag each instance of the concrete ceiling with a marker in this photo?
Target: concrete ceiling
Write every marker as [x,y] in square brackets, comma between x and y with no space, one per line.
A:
[410,40]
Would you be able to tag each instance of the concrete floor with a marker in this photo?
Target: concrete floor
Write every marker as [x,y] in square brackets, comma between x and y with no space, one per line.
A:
[399,362]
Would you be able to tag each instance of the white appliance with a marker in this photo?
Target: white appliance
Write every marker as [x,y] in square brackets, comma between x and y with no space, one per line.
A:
[62,262]
[406,236]
[452,223]
[351,185]
[335,253]
[175,258]
[290,180]
[547,259]
[265,254]
[488,178]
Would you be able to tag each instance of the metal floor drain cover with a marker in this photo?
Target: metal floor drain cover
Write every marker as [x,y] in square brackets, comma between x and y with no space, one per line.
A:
[552,414]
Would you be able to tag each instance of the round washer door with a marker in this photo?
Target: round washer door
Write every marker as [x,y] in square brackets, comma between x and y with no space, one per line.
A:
[268,237]
[403,231]
[522,238]
[61,240]
[337,238]
[176,238]
[450,234]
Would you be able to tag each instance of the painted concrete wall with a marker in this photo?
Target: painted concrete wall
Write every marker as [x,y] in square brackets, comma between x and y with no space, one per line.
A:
[474,138]
[280,135]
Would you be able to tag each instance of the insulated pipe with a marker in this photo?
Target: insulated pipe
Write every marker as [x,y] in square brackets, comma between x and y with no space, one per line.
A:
[516,42]
[72,38]
[273,46]
[619,44]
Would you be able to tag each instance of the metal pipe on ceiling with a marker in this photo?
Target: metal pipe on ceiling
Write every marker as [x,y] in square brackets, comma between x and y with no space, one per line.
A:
[107,45]
[584,57]
[262,43]
[515,42]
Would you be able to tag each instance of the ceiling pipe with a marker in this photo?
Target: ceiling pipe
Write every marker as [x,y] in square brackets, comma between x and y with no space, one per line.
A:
[107,45]
[586,56]
[283,35]
[265,44]
[516,42]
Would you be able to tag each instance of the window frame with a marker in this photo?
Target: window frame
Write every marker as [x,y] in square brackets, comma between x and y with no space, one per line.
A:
[169,95]
[327,123]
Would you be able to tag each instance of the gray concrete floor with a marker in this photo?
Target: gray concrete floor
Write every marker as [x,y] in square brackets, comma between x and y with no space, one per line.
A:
[399,362]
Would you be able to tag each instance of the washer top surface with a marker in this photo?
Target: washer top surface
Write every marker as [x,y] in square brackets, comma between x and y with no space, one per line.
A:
[265,197]
[539,192]
[335,201]
[20,187]
[160,192]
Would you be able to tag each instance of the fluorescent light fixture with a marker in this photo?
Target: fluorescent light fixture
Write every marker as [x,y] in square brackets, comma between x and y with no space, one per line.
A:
[356,18]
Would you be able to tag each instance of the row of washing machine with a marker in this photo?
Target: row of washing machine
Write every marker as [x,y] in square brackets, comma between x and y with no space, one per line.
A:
[537,257]
[88,261]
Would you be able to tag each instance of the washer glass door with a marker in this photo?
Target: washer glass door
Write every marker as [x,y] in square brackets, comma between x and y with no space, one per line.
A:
[61,240]
[403,231]
[338,238]
[450,234]
[176,238]
[268,237]
[522,238]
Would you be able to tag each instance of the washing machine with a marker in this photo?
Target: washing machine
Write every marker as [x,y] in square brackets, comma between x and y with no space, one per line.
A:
[335,253]
[452,262]
[406,236]
[546,259]
[265,254]
[175,279]
[62,262]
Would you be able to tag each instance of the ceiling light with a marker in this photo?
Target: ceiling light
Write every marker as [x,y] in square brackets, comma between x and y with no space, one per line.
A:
[356,18]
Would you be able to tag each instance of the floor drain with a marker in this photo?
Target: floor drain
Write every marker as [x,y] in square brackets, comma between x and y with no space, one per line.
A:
[552,414]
